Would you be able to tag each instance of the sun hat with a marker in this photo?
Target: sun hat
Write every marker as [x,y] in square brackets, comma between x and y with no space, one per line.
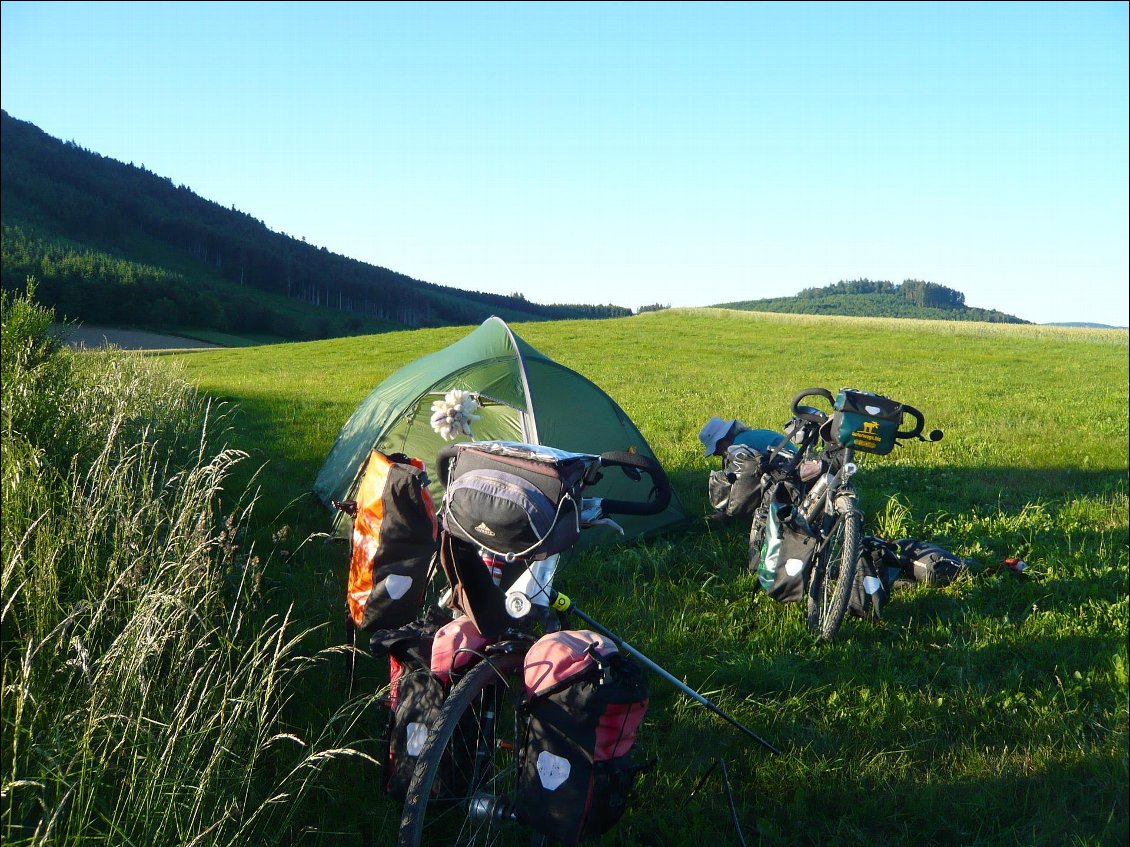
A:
[713,432]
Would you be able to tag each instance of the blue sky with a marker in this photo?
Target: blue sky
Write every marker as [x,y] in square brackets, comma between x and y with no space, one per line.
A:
[633,153]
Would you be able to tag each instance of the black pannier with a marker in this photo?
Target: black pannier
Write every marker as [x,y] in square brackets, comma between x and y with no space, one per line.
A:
[928,563]
[736,489]
[585,703]
[879,565]
[425,658]
[415,697]
[514,500]
[780,552]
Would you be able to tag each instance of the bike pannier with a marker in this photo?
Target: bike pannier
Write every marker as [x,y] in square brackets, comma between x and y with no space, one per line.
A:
[414,701]
[515,500]
[868,422]
[928,563]
[783,552]
[394,539]
[878,567]
[736,489]
[424,659]
[585,703]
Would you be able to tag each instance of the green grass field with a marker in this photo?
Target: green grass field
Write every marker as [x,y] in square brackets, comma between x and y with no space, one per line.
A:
[989,712]
[172,636]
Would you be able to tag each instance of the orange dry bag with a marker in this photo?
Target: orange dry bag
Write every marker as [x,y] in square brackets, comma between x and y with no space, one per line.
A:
[394,539]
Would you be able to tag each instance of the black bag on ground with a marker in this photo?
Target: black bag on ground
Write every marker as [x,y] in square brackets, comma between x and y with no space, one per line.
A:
[415,697]
[783,552]
[736,489]
[928,563]
[879,565]
[585,703]
[514,499]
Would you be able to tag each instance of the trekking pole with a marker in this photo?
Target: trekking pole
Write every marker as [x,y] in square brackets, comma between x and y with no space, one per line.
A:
[678,683]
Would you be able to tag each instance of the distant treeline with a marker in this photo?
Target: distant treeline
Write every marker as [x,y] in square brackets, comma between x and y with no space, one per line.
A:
[95,287]
[913,298]
[74,194]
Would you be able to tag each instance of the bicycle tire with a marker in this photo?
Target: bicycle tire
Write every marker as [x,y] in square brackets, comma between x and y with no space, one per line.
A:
[832,577]
[465,779]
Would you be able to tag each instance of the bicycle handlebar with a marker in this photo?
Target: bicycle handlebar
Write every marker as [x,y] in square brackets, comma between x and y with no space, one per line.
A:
[919,422]
[919,425]
[633,465]
[800,411]
[815,415]
[443,462]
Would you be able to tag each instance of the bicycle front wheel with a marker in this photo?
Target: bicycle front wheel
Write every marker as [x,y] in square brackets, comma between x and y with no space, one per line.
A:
[462,792]
[830,583]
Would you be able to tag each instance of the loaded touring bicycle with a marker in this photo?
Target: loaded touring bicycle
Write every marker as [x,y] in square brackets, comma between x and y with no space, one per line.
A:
[805,539]
[506,726]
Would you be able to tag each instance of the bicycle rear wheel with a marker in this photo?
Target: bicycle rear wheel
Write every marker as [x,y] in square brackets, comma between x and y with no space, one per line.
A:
[466,777]
[830,583]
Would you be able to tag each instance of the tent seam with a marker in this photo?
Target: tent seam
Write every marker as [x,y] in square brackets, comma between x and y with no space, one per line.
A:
[529,419]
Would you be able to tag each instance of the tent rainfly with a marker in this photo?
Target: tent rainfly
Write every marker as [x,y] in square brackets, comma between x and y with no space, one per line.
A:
[524,395]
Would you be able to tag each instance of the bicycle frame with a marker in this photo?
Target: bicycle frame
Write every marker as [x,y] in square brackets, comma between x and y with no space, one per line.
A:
[833,489]
[516,623]
[526,595]
[819,499]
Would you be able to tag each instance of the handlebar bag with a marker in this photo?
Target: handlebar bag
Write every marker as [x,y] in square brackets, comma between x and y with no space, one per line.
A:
[393,541]
[585,702]
[868,422]
[515,500]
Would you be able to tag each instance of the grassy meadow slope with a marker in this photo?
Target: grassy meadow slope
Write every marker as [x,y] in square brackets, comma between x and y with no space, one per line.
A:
[993,711]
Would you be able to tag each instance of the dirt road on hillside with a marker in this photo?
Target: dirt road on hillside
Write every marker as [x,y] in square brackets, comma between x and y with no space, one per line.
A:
[91,337]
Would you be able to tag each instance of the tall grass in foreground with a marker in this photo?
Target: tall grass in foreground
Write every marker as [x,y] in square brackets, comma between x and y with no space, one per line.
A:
[142,696]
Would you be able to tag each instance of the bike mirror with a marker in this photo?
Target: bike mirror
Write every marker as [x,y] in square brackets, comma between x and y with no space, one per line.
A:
[936,435]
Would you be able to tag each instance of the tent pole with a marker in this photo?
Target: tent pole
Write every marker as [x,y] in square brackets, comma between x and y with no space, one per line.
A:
[675,681]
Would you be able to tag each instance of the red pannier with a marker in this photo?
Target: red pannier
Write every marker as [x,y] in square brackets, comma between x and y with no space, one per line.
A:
[585,702]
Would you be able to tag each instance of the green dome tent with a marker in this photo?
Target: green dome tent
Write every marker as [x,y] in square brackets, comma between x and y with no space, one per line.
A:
[525,396]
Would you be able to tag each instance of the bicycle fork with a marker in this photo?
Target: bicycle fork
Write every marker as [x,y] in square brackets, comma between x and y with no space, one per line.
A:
[830,490]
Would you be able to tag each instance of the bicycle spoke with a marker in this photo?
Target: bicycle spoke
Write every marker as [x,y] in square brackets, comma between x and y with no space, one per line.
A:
[833,573]
[462,792]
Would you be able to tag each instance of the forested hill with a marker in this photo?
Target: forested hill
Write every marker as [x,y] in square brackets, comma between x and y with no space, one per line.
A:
[115,243]
[870,298]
